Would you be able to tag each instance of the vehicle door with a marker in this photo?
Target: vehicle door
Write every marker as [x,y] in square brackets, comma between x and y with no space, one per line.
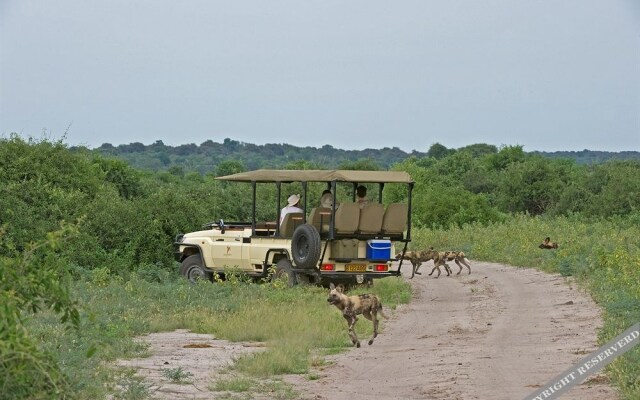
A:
[229,250]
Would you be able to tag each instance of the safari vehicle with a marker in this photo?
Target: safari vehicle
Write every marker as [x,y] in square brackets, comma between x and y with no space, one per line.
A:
[342,243]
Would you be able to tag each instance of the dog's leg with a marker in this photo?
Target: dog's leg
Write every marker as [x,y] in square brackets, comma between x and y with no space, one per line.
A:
[375,326]
[416,266]
[414,270]
[459,266]
[447,269]
[436,267]
[351,318]
[371,316]
[468,266]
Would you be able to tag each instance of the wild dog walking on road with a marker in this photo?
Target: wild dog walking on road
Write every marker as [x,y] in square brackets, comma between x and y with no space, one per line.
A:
[418,257]
[440,259]
[368,305]
[459,257]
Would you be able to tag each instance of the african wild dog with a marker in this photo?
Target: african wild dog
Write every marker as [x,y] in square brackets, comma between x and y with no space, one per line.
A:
[440,259]
[418,257]
[548,244]
[459,257]
[368,305]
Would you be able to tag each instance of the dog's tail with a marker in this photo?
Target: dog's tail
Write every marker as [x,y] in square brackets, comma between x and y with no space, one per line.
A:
[381,311]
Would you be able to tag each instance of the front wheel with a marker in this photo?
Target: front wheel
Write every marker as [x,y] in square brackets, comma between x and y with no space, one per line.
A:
[192,269]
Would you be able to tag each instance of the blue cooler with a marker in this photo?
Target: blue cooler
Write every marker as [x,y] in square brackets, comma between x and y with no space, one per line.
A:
[378,249]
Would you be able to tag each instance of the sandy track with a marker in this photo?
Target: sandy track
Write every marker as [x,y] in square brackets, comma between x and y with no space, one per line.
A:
[499,333]
[197,354]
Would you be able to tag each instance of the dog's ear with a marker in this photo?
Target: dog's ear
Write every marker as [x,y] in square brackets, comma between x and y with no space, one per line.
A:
[332,286]
[340,288]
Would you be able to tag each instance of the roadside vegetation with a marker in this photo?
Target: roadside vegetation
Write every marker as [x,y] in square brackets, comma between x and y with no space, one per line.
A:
[297,327]
[602,255]
[86,259]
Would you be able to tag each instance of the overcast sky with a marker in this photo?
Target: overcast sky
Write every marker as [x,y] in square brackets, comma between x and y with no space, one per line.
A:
[545,74]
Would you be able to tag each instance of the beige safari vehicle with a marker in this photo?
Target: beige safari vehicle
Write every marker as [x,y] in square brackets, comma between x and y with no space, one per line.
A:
[343,243]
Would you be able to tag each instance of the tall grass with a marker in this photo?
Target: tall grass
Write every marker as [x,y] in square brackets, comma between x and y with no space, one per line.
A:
[603,255]
[295,324]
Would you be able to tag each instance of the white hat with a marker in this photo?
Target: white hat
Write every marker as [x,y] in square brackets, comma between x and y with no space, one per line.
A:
[293,199]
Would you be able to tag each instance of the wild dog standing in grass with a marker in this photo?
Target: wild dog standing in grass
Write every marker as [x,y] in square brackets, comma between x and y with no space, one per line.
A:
[548,244]
[458,257]
[418,257]
[368,305]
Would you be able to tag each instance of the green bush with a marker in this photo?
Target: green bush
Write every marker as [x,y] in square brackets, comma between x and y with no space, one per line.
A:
[30,282]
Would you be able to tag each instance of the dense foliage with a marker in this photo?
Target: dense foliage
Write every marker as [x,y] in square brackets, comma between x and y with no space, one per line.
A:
[72,213]
[461,188]
[31,281]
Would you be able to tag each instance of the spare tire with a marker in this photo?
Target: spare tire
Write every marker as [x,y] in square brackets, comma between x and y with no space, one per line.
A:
[305,246]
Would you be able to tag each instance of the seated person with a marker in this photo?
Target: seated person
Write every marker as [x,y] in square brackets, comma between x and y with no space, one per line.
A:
[361,196]
[326,200]
[293,205]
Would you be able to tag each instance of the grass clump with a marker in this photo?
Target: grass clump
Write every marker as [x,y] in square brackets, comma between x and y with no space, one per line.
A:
[235,384]
[240,387]
[130,386]
[176,375]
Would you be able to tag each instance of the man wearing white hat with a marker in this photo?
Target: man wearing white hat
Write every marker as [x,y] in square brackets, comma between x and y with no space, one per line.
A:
[292,206]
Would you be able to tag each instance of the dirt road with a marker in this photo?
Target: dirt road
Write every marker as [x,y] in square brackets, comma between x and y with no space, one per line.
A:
[499,333]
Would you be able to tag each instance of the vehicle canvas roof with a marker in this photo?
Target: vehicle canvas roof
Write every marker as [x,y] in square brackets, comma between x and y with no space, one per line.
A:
[275,175]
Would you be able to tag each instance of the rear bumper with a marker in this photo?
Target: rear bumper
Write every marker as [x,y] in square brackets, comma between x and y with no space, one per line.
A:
[352,275]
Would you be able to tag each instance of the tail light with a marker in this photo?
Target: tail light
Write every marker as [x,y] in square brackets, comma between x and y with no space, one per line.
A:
[327,267]
[381,267]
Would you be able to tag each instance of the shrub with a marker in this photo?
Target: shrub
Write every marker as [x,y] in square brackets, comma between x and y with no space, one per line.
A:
[30,282]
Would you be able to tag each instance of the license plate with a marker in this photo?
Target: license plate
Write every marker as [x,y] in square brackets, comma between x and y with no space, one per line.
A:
[355,267]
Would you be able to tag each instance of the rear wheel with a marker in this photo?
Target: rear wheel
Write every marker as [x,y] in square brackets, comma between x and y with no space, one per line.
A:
[192,269]
[304,279]
[284,272]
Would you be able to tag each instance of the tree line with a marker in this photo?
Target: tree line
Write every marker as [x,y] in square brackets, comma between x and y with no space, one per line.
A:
[205,157]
